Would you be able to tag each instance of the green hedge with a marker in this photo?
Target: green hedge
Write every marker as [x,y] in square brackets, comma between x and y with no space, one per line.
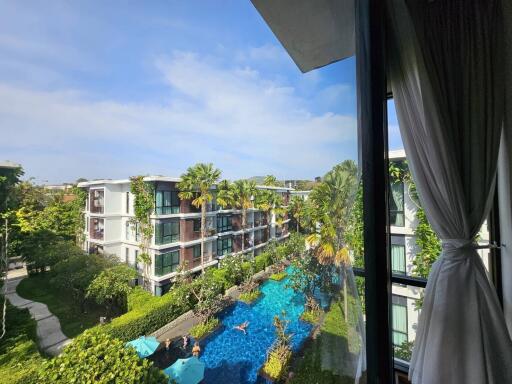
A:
[151,315]
[138,297]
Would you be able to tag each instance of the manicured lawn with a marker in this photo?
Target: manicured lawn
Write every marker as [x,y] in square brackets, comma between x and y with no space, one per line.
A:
[327,360]
[61,304]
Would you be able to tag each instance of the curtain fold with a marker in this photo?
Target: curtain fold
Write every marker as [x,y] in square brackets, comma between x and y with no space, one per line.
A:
[446,71]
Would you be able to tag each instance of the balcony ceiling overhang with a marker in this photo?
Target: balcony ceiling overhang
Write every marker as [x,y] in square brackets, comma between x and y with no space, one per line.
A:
[315,33]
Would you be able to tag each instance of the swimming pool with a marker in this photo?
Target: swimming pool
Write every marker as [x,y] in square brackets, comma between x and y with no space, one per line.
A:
[232,357]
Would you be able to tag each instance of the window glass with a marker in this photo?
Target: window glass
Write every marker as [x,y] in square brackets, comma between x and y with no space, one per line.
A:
[398,259]
[196,251]
[399,320]
[167,232]
[166,263]
[224,223]
[197,225]
[167,202]
[224,246]
[396,204]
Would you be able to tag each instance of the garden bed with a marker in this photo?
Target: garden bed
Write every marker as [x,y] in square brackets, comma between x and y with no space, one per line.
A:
[202,330]
[278,276]
[250,297]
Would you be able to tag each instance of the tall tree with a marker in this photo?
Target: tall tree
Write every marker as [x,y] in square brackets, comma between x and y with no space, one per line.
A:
[296,209]
[144,206]
[271,181]
[267,201]
[244,192]
[225,197]
[196,185]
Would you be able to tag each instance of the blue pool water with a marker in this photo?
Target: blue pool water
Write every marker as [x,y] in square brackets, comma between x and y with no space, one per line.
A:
[232,357]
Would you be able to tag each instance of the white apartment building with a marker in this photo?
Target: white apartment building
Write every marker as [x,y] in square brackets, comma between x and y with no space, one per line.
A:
[403,223]
[176,240]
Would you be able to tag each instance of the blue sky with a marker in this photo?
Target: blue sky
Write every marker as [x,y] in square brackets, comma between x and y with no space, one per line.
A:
[112,89]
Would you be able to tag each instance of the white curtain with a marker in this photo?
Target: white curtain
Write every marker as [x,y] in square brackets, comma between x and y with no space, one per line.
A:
[446,71]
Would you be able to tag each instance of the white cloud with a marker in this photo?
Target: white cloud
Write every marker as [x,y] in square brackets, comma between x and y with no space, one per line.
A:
[233,117]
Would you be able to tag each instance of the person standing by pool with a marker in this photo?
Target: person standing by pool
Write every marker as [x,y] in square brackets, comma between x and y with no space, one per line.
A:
[185,342]
[167,344]
[196,350]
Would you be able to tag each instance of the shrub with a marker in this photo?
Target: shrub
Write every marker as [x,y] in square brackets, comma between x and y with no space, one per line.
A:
[202,329]
[154,314]
[249,297]
[220,276]
[310,316]
[138,297]
[278,276]
[260,262]
[277,363]
[95,357]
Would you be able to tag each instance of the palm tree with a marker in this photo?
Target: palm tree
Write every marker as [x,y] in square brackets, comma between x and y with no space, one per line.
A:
[225,196]
[271,181]
[296,209]
[243,195]
[268,201]
[332,202]
[196,185]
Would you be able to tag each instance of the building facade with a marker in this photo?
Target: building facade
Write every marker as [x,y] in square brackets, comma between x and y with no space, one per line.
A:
[176,238]
[403,248]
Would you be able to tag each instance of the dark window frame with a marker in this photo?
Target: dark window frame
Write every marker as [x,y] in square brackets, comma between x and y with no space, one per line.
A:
[196,225]
[167,202]
[164,233]
[224,223]
[165,263]
[224,246]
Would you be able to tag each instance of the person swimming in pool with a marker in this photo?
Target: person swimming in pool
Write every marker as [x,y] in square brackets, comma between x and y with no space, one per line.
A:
[242,327]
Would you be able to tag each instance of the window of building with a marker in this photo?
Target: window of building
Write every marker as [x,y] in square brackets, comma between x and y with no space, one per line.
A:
[224,223]
[162,289]
[166,263]
[398,259]
[197,225]
[97,228]
[224,246]
[167,232]
[97,200]
[396,204]
[127,231]
[136,262]
[127,202]
[196,251]
[127,255]
[167,202]
[399,319]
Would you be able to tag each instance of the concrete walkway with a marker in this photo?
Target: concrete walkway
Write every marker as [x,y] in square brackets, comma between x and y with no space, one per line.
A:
[49,333]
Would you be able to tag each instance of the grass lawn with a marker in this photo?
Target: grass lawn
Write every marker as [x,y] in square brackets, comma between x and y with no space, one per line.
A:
[19,357]
[328,359]
[61,304]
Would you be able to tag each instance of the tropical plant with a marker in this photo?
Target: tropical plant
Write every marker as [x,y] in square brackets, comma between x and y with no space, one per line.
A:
[95,357]
[225,196]
[76,273]
[268,201]
[271,181]
[111,288]
[196,185]
[208,293]
[202,329]
[249,297]
[144,206]
[296,209]
[243,196]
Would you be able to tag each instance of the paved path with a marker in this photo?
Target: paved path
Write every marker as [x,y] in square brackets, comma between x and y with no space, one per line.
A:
[49,333]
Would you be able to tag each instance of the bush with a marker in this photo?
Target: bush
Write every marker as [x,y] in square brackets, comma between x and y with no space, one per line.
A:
[310,316]
[249,297]
[154,314]
[19,357]
[260,262]
[200,330]
[278,276]
[95,357]
[277,363]
[220,276]
[138,297]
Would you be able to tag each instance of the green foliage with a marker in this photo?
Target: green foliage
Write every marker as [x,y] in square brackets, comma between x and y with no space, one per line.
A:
[19,357]
[310,316]
[152,315]
[234,273]
[428,243]
[305,275]
[208,293]
[271,181]
[138,297]
[74,274]
[277,363]
[203,329]
[249,297]
[111,287]
[404,350]
[354,233]
[143,206]
[95,357]
[278,276]
[61,303]
[262,261]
